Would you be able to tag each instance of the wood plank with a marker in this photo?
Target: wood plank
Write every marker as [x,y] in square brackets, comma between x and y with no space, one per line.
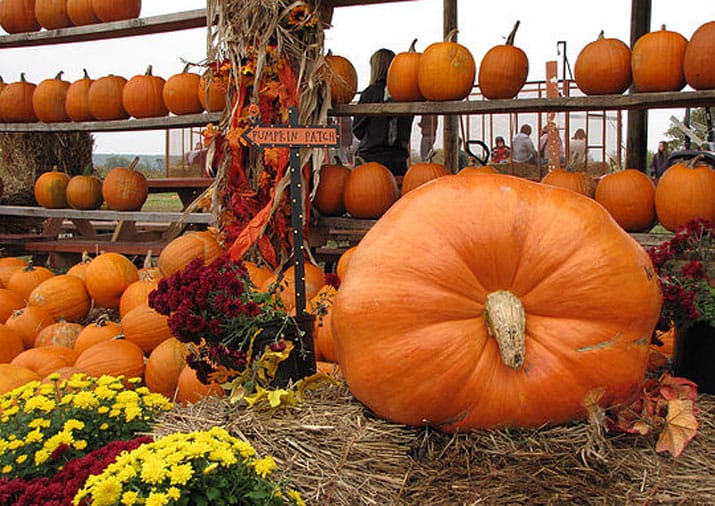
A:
[159,123]
[100,31]
[107,215]
[665,100]
[94,246]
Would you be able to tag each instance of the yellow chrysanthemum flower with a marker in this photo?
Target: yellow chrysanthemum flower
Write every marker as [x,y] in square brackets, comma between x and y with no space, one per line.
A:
[153,470]
[129,498]
[265,466]
[180,474]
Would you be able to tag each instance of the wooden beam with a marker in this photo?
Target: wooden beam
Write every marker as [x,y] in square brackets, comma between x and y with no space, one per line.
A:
[450,123]
[637,129]
[159,123]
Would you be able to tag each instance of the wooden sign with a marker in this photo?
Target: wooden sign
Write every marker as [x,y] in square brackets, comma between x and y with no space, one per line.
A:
[291,136]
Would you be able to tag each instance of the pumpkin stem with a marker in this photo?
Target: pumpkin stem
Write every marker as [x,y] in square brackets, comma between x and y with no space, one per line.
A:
[506,322]
[510,38]
[413,47]
[148,70]
[134,163]
[86,74]
[693,162]
[451,36]
[59,75]
[601,35]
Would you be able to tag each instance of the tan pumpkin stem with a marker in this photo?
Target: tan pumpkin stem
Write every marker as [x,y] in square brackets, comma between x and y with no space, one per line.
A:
[506,322]
[510,38]
[413,47]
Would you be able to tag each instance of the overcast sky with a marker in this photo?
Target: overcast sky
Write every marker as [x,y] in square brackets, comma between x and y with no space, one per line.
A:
[356,33]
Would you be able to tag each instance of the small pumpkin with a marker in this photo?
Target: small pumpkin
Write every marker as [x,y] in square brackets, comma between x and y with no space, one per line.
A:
[142,96]
[574,180]
[81,12]
[14,376]
[8,265]
[657,61]
[63,296]
[50,189]
[61,333]
[16,100]
[421,172]
[77,99]
[446,71]
[80,268]
[484,169]
[314,280]
[84,191]
[125,189]
[116,357]
[603,67]
[10,301]
[370,190]
[104,98]
[629,196]
[342,78]
[164,366]
[212,92]
[699,56]
[328,198]
[28,321]
[48,100]
[25,280]
[402,76]
[116,10]
[503,70]
[45,359]
[180,95]
[18,16]
[11,345]
[107,276]
[136,294]
[52,14]
[190,390]
[102,329]
[182,250]
[145,327]
[685,192]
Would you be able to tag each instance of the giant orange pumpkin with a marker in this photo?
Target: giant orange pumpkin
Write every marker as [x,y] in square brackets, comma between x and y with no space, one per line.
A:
[699,56]
[629,196]
[446,71]
[107,276]
[342,78]
[116,10]
[48,99]
[142,95]
[18,16]
[506,318]
[657,61]
[603,67]
[421,172]
[328,198]
[503,70]
[370,190]
[16,101]
[402,76]
[77,99]
[104,98]
[685,192]
[125,189]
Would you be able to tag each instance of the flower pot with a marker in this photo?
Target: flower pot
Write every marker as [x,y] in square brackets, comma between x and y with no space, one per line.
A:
[694,355]
[301,361]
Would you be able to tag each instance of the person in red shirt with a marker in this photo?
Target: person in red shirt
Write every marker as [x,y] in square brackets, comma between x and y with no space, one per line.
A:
[500,152]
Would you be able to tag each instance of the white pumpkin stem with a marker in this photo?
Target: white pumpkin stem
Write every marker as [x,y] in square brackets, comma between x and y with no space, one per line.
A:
[506,322]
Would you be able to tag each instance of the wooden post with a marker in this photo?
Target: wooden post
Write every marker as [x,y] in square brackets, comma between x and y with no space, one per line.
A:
[450,123]
[553,145]
[637,134]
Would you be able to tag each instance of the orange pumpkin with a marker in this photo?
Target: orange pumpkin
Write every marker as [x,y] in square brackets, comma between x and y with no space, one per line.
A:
[164,366]
[80,268]
[84,191]
[14,376]
[577,181]
[685,192]
[77,99]
[50,189]
[16,101]
[370,190]
[342,267]
[603,67]
[104,98]
[258,274]
[81,12]
[107,276]
[182,250]
[657,61]
[180,95]
[698,58]
[45,359]
[212,92]
[101,330]
[330,368]
[446,71]
[324,337]
[328,198]
[63,374]
[125,189]
[18,16]
[145,327]
[52,14]
[402,76]
[10,302]
[503,70]
[583,321]
[421,172]
[314,281]
[116,10]
[8,265]
[11,345]
[142,96]
[484,169]
[342,78]
[24,281]
[136,294]
[61,333]
[629,196]
[116,357]
[27,323]
[190,390]
[48,99]
[63,296]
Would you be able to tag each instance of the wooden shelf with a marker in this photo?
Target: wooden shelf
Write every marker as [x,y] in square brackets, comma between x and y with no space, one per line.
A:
[664,100]
[107,215]
[160,123]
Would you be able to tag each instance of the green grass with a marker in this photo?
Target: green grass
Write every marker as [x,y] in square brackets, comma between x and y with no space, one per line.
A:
[163,202]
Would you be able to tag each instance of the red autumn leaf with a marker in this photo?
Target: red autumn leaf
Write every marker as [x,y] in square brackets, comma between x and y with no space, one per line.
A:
[677,388]
[680,427]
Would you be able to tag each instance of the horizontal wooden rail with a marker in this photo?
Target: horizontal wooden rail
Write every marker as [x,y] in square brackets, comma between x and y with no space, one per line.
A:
[107,215]
[119,125]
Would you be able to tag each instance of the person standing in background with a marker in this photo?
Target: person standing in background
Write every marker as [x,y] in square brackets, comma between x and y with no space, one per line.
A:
[383,139]
[659,164]
[577,149]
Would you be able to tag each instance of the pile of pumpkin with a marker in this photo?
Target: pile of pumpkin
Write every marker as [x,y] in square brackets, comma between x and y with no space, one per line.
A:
[62,322]
[110,97]
[22,16]
[659,61]
[122,189]
[683,193]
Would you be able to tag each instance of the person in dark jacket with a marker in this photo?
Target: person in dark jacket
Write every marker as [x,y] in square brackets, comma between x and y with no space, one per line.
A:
[383,139]
[660,160]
